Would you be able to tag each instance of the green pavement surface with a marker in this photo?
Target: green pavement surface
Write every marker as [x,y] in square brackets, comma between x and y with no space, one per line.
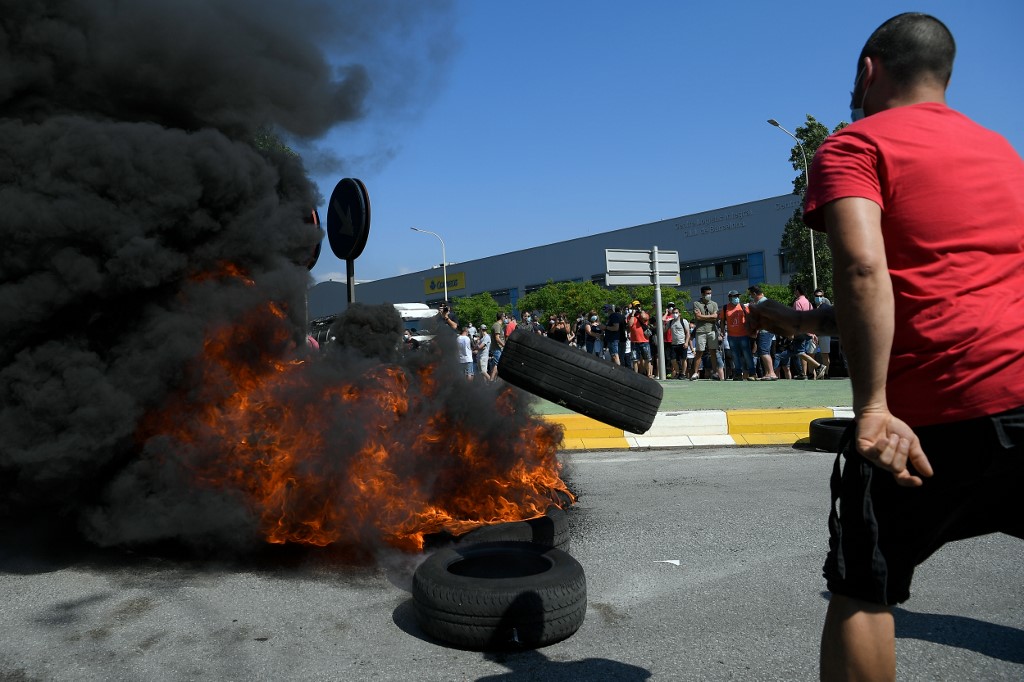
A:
[739,395]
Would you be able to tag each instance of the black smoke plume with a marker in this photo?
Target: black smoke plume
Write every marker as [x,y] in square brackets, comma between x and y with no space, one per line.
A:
[147,199]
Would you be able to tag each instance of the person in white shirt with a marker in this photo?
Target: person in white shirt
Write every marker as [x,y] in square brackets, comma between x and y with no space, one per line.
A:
[484,346]
[466,352]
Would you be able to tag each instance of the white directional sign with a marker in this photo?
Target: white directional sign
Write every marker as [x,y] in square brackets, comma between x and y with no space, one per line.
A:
[636,267]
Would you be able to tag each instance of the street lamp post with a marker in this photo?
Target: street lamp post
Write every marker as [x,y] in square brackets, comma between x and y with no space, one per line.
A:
[444,259]
[807,183]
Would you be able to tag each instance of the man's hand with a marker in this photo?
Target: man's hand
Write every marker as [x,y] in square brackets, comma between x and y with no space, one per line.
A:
[890,444]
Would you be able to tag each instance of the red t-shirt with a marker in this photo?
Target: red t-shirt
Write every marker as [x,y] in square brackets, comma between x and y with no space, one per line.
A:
[736,320]
[636,328]
[952,200]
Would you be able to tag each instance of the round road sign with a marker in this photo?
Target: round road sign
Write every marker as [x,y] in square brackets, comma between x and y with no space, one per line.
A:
[348,219]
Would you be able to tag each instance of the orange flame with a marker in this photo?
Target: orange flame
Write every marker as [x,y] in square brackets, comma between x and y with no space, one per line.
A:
[408,470]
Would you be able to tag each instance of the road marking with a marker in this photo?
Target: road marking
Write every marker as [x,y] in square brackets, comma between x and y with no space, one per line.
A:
[597,458]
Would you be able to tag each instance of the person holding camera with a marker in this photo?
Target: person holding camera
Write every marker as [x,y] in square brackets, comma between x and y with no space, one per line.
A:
[560,330]
[444,312]
[639,324]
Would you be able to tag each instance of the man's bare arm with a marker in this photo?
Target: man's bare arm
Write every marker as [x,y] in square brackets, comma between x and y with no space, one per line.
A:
[865,313]
[784,320]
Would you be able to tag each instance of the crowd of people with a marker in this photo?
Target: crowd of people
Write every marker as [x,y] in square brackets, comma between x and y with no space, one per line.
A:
[717,344]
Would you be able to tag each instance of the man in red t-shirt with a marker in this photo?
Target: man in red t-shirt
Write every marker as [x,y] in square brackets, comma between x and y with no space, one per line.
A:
[924,210]
[637,319]
[735,315]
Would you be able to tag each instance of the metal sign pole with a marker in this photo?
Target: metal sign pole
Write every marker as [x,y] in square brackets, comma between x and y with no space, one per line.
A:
[661,321]
[350,271]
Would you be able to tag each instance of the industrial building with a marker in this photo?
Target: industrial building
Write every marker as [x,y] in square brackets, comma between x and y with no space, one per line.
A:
[729,248]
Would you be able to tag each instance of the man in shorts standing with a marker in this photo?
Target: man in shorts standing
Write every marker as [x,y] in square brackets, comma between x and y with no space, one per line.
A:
[764,337]
[705,314]
[465,345]
[612,339]
[924,211]
[638,321]
[498,339]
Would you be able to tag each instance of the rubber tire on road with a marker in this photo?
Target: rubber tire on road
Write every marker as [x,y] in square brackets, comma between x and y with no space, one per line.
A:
[827,432]
[500,595]
[550,530]
[582,382]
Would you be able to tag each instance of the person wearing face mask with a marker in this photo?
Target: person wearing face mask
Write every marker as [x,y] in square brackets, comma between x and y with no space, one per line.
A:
[924,211]
[736,314]
[705,314]
[612,340]
[594,334]
[679,337]
[531,324]
[764,337]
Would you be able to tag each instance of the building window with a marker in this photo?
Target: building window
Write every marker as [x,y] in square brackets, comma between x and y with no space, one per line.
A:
[718,270]
[501,296]
[788,262]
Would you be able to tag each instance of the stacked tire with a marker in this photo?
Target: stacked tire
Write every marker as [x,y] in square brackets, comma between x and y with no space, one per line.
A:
[506,586]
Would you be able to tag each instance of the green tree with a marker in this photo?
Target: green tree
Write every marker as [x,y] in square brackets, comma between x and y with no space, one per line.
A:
[623,296]
[779,292]
[266,139]
[564,297]
[796,237]
[480,309]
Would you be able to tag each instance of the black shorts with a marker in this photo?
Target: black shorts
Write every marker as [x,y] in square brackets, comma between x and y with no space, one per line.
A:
[880,531]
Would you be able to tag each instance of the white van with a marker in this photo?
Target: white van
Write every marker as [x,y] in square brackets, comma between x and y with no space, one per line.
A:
[415,317]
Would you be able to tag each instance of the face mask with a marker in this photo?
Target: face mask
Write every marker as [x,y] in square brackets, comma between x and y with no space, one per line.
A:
[593,318]
[676,316]
[526,318]
[706,297]
[817,300]
[735,300]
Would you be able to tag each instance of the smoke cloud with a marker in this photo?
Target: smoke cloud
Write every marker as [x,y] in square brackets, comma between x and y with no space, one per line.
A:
[148,199]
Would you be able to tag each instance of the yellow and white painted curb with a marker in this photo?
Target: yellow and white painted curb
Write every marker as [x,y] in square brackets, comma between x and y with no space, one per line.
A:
[696,428]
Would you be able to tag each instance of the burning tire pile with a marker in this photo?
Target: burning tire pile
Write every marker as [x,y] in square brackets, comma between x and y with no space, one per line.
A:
[514,585]
[504,586]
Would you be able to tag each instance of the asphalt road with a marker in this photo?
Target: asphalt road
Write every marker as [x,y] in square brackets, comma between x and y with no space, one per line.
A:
[701,565]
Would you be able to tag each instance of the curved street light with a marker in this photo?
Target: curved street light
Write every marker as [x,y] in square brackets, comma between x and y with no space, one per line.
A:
[444,259]
[807,183]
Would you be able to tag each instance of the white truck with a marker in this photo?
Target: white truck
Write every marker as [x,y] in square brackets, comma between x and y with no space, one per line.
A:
[415,317]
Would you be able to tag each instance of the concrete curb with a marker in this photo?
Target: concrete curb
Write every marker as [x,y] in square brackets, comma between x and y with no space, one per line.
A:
[696,428]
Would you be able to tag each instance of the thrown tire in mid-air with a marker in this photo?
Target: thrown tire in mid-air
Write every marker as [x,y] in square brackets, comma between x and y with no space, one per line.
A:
[500,595]
[827,433]
[596,388]
[550,530]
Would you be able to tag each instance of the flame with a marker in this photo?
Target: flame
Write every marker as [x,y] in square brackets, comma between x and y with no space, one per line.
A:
[269,429]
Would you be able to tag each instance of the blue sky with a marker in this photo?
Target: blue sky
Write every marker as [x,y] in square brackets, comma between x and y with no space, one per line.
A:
[545,121]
